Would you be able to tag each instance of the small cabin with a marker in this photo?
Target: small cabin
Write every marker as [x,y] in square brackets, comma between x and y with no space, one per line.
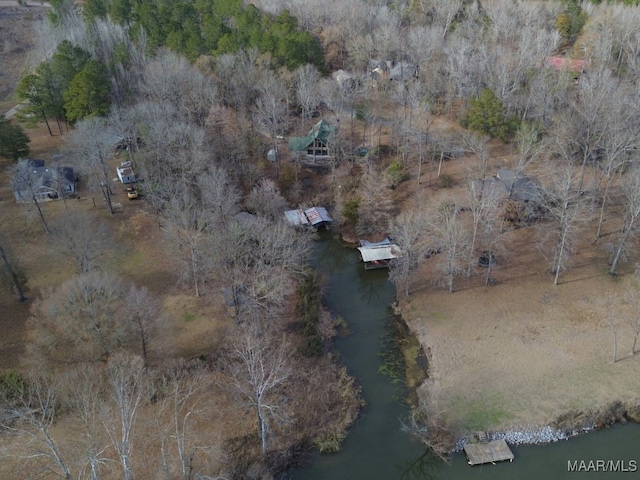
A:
[315,148]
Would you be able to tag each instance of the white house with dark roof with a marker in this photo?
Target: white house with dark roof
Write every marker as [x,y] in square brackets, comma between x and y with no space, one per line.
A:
[42,182]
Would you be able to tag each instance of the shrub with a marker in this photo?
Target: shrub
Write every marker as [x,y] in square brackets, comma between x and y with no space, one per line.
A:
[445,181]
[12,387]
[486,115]
[287,177]
[350,210]
[396,173]
[308,309]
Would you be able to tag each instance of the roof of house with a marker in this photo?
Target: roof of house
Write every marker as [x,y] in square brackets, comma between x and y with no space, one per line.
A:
[48,175]
[35,162]
[321,130]
[521,187]
[43,180]
[392,70]
[403,71]
[368,244]
[508,184]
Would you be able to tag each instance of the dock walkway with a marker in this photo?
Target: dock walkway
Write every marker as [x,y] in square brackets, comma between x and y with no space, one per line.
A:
[488,452]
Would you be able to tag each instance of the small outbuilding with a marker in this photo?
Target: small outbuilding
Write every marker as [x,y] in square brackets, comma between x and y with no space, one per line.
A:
[125,173]
[314,217]
[378,254]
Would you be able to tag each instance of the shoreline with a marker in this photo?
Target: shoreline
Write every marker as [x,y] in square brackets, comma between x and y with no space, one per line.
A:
[566,425]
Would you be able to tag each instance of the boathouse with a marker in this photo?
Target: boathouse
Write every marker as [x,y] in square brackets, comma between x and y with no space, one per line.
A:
[378,255]
[314,217]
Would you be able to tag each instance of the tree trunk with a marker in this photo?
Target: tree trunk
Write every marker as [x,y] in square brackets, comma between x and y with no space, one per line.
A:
[107,197]
[558,264]
[37,204]
[13,275]
[621,245]
[604,201]
[263,427]
[52,446]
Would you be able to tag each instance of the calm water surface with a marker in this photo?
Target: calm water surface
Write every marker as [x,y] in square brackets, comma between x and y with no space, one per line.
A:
[376,448]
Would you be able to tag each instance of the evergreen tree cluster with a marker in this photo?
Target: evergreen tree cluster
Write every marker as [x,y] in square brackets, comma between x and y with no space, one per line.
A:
[14,143]
[69,87]
[205,27]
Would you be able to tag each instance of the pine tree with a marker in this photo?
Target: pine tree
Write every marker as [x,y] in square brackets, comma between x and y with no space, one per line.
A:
[14,143]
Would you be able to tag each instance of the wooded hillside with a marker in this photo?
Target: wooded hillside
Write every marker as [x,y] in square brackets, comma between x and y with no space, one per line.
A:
[199,99]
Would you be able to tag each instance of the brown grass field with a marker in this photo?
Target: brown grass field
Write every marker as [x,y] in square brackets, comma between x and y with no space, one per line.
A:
[523,352]
[140,258]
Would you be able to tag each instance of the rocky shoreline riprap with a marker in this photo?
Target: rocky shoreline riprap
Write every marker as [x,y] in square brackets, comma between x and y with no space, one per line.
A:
[566,426]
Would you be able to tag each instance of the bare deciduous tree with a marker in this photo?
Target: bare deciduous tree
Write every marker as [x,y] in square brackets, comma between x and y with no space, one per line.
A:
[219,194]
[410,232]
[266,200]
[171,78]
[32,415]
[130,387]
[260,260]
[485,217]
[182,385]
[262,366]
[82,237]
[375,207]
[92,144]
[188,226]
[84,389]
[568,210]
[15,278]
[453,240]
[86,320]
[631,190]
[617,150]
[271,111]
[27,183]
[307,90]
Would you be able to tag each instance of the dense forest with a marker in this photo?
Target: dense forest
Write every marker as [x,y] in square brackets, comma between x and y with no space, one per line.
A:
[194,94]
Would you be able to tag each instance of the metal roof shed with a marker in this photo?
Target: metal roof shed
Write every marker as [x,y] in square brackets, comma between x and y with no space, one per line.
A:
[296,217]
[378,256]
[317,215]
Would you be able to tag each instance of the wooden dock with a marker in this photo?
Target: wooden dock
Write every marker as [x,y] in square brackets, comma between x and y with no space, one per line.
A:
[488,452]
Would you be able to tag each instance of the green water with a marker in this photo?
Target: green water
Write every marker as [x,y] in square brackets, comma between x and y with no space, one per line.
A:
[377,449]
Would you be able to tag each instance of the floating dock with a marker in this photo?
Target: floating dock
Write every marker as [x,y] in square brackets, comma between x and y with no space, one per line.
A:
[488,452]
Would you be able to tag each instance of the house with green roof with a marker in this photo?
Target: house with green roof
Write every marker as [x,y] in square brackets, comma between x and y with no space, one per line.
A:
[316,147]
